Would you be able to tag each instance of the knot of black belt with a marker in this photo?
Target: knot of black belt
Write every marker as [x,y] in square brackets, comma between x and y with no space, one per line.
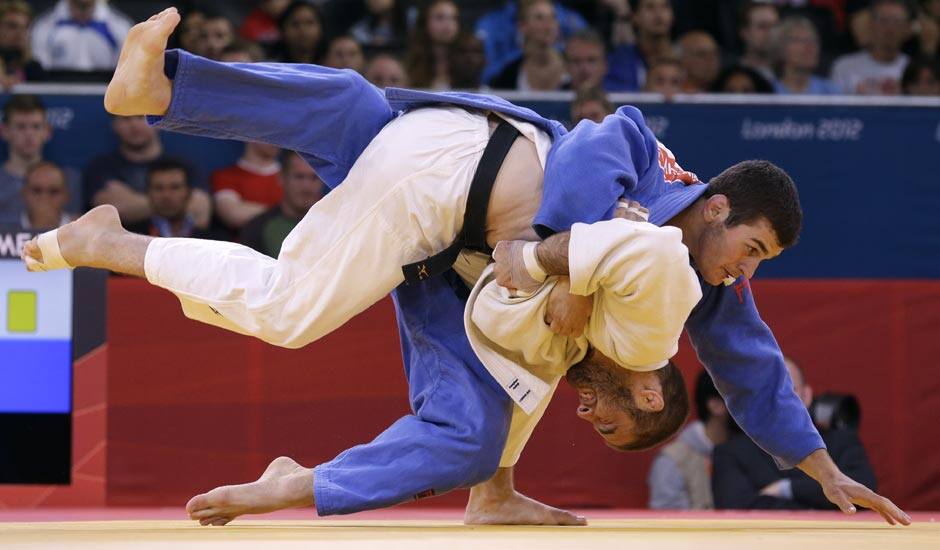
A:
[473,233]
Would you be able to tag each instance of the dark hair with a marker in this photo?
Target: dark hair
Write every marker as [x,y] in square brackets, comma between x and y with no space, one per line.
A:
[525,5]
[22,103]
[913,70]
[744,14]
[419,62]
[166,164]
[759,189]
[587,95]
[589,36]
[705,391]
[761,84]
[653,428]
[280,49]
[911,13]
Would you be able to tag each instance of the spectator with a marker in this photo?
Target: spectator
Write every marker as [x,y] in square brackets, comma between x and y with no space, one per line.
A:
[249,187]
[467,61]
[16,64]
[344,52]
[435,31]
[540,66]
[26,130]
[301,28]
[240,51]
[699,55]
[591,104]
[758,21]
[878,69]
[385,70]
[666,76]
[499,32]
[383,28]
[169,193]
[653,20]
[586,59]
[190,34]
[928,30]
[796,45]
[218,32]
[745,477]
[260,25]
[302,189]
[742,80]
[80,35]
[921,77]
[45,195]
[120,177]
[680,477]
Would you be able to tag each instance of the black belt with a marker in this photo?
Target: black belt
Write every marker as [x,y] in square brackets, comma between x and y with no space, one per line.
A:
[473,233]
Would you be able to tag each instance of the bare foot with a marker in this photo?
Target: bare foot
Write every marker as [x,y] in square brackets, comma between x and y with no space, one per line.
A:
[517,509]
[81,240]
[139,86]
[284,484]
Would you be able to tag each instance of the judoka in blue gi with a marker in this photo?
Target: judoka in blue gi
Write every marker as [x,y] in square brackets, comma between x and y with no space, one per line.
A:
[405,159]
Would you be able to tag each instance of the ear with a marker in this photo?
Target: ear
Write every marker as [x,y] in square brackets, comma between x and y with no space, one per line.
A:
[716,209]
[650,400]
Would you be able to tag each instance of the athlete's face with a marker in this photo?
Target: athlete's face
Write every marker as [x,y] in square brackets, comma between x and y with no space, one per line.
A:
[609,396]
[724,252]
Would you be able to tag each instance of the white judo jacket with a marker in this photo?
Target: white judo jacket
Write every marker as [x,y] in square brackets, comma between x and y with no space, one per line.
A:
[644,289]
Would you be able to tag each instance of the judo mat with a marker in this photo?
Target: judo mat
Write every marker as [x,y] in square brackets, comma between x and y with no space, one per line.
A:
[444,531]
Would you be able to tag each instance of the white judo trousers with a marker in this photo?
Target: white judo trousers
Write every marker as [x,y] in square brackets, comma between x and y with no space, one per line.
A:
[403,200]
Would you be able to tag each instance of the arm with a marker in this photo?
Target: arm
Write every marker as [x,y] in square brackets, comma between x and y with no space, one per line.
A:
[132,206]
[667,488]
[200,208]
[742,356]
[589,169]
[849,456]
[235,211]
[732,487]
[496,502]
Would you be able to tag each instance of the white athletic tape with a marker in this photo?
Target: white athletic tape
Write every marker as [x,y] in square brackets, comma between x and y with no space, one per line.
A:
[531,262]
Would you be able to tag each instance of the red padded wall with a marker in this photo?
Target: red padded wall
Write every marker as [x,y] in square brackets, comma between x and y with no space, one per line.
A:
[192,407]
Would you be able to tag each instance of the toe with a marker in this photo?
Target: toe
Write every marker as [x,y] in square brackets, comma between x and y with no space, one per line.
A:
[197,503]
[205,514]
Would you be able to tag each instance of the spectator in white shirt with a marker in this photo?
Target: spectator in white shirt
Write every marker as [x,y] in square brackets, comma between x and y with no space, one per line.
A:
[878,69]
[79,35]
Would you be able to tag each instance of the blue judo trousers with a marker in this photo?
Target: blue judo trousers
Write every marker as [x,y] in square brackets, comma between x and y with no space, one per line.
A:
[460,416]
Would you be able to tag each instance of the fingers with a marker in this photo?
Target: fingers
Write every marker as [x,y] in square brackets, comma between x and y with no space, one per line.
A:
[631,210]
[887,509]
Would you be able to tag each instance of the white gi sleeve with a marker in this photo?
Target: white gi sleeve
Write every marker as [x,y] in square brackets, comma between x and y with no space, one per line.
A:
[643,286]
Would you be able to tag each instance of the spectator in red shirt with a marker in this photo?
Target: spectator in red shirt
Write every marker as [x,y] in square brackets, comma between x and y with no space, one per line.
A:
[249,187]
[260,26]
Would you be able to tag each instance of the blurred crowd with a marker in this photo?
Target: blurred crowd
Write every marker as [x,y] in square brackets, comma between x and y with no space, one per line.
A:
[666,46]
[590,47]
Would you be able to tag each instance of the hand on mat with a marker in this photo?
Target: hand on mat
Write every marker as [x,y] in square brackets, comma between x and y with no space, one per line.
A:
[843,491]
[510,269]
[567,314]
[631,210]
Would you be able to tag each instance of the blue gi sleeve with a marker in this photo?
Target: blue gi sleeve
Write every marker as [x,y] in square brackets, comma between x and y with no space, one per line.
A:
[329,116]
[591,167]
[743,358]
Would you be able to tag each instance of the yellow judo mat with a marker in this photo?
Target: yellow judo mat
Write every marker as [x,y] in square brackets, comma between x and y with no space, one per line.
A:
[657,534]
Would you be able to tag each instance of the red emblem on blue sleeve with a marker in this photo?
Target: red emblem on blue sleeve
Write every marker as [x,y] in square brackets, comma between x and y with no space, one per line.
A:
[740,286]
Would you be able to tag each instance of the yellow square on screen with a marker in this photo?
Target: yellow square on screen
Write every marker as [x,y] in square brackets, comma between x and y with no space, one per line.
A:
[21,311]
